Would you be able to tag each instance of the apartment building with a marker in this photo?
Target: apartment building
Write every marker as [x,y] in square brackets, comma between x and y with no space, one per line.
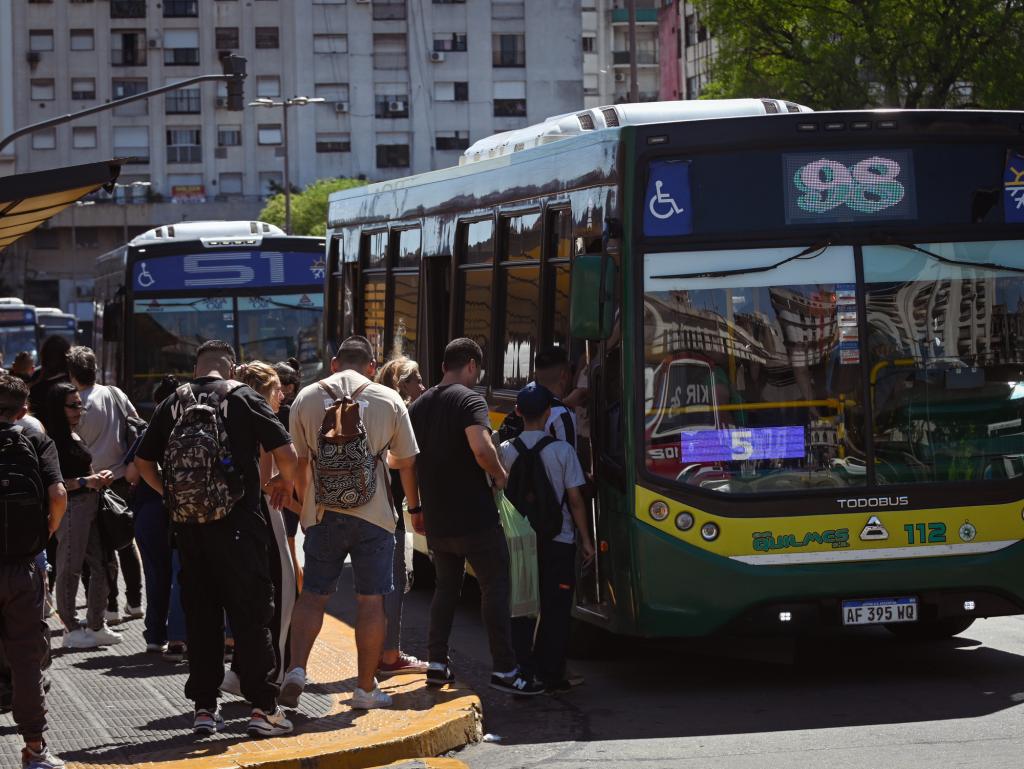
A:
[606,53]
[407,85]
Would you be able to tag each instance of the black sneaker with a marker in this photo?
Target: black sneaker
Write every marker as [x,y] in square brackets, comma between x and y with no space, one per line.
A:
[439,676]
[516,684]
[558,687]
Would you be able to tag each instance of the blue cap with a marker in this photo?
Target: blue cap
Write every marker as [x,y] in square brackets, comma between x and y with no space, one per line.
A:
[533,400]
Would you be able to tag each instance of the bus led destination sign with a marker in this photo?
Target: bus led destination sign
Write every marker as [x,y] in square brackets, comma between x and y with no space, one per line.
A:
[849,186]
[743,444]
[228,269]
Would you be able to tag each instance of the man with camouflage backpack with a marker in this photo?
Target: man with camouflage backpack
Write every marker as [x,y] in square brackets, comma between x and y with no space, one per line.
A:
[206,439]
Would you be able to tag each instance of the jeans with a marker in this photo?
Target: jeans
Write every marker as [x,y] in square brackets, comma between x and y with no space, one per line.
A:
[225,569]
[487,552]
[541,646]
[78,542]
[25,643]
[165,619]
[393,600]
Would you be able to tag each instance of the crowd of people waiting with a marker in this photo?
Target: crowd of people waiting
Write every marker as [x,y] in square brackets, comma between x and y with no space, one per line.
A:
[231,464]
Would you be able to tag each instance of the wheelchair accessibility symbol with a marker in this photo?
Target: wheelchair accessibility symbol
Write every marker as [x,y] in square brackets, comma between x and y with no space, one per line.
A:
[663,205]
[144,278]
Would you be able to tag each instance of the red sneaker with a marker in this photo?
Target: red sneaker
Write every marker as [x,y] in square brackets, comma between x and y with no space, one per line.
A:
[405,663]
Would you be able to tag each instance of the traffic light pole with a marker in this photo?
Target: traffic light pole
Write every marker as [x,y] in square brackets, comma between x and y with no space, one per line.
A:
[234,75]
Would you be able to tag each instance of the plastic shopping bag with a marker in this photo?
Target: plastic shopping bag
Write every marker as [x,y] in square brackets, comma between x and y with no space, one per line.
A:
[524,598]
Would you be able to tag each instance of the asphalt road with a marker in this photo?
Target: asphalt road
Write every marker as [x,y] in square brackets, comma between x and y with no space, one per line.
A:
[849,699]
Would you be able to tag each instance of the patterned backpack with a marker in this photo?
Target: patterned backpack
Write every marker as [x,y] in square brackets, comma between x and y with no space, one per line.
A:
[201,482]
[345,471]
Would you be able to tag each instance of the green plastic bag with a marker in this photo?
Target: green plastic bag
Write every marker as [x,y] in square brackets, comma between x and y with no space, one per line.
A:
[524,600]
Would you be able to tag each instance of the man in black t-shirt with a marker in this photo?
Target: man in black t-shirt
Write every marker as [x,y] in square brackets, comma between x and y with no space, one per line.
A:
[225,564]
[23,632]
[459,516]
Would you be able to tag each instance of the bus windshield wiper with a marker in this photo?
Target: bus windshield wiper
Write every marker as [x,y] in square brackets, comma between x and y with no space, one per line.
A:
[810,252]
[959,262]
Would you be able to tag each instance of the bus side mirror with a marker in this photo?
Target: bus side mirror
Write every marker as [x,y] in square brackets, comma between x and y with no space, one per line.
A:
[112,314]
[592,297]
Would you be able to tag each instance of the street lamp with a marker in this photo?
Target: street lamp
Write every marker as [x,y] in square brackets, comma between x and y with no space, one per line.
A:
[295,101]
[129,185]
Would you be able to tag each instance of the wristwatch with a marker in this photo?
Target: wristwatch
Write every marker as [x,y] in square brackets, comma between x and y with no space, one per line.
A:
[81,482]
[416,510]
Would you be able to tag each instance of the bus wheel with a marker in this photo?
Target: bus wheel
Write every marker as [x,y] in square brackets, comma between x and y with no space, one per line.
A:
[931,630]
[422,571]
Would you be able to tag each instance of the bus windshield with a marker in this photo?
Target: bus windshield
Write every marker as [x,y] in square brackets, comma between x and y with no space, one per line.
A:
[15,339]
[754,381]
[275,327]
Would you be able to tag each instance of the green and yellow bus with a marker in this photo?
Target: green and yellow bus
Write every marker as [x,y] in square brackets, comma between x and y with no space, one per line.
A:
[803,335]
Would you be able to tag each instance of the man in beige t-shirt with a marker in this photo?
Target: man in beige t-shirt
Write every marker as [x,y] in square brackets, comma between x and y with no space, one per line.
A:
[366,533]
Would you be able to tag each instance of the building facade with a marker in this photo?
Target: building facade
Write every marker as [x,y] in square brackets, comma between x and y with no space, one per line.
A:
[407,85]
[606,54]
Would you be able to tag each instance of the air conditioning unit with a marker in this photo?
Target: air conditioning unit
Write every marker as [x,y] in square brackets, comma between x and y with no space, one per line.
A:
[32,57]
[154,42]
[620,77]
[396,106]
[436,56]
[222,101]
[341,107]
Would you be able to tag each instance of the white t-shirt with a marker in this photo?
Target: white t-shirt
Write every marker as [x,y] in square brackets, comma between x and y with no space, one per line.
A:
[563,470]
[102,427]
[30,421]
[557,426]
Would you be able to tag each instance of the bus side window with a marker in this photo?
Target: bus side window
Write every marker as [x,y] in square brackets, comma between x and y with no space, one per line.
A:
[474,296]
[522,243]
[557,269]
[404,287]
[373,260]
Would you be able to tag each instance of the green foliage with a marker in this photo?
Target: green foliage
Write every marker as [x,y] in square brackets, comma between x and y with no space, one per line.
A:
[849,54]
[309,207]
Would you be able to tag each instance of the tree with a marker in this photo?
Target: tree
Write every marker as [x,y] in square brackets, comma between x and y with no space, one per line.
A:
[850,54]
[309,207]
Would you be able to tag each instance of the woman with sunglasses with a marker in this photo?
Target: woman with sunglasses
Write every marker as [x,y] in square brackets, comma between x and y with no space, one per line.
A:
[78,538]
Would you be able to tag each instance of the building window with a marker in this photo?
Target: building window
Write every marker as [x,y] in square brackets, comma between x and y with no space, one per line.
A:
[83,88]
[187,101]
[510,99]
[391,105]
[392,156]
[132,142]
[509,50]
[268,133]
[184,145]
[328,2]
[181,47]
[589,44]
[266,37]
[451,140]
[330,43]
[128,48]
[87,237]
[45,139]
[123,87]
[333,142]
[180,9]
[127,9]
[268,86]
[230,184]
[48,239]
[226,38]
[43,89]
[452,42]
[82,40]
[40,40]
[229,136]
[388,11]
[690,27]
[692,87]
[451,91]
[390,52]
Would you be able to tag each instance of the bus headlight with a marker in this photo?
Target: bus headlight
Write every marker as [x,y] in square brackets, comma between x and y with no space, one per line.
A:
[658,510]
[684,521]
[709,532]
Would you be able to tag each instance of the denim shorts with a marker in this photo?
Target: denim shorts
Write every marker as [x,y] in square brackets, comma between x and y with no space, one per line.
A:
[336,537]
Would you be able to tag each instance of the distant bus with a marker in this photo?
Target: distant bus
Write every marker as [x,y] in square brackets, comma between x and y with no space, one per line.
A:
[174,287]
[17,329]
[52,321]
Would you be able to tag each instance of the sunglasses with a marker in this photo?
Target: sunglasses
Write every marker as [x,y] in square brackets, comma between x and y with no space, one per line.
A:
[75,406]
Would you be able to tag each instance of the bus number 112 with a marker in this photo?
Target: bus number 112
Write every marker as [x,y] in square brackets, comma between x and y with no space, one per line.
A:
[931,533]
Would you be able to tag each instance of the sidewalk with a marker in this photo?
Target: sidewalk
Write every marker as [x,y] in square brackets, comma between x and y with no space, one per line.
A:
[122,707]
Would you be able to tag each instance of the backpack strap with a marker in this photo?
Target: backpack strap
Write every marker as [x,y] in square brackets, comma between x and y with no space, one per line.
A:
[543,443]
[186,397]
[567,426]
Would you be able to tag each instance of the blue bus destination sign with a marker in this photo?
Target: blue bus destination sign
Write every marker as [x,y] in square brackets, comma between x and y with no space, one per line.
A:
[228,269]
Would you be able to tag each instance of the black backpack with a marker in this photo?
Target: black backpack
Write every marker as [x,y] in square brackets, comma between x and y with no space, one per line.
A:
[529,490]
[511,426]
[24,509]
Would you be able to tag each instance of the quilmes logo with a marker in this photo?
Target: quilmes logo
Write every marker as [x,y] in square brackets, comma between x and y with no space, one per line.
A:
[860,503]
[766,540]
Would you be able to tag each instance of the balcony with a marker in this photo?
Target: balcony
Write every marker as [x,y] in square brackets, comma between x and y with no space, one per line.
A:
[389,11]
[643,16]
[643,58]
[128,57]
[180,9]
[127,9]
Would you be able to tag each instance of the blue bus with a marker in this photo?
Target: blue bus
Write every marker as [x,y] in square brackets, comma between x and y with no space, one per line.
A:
[174,287]
[17,329]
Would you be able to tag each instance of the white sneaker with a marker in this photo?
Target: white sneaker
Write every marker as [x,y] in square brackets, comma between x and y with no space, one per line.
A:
[207,722]
[133,612]
[291,688]
[231,684]
[268,724]
[106,637]
[80,639]
[156,648]
[111,617]
[369,700]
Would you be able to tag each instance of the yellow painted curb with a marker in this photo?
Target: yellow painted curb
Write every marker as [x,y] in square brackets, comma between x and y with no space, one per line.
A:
[422,722]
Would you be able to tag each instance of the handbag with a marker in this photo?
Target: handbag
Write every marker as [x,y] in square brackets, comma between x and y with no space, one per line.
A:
[117,521]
